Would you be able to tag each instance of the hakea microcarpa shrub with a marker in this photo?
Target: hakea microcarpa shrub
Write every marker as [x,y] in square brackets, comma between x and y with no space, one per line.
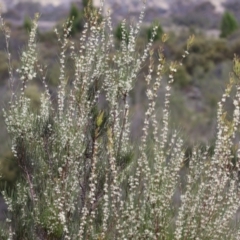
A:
[83,177]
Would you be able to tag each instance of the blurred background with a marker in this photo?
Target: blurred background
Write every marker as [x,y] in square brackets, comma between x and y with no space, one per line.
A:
[198,85]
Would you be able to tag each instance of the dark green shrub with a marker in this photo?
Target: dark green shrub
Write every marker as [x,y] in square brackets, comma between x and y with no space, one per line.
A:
[228,25]
[205,54]
[87,3]
[200,46]
[197,60]
[159,31]
[120,31]
[235,48]
[3,68]
[77,19]
[219,51]
[27,24]
[182,78]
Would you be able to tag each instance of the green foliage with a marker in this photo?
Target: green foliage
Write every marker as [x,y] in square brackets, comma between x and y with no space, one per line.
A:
[159,31]
[87,4]
[48,37]
[3,68]
[9,171]
[27,24]
[121,32]
[53,75]
[182,78]
[229,24]
[219,51]
[200,46]
[77,19]
[235,48]
[48,218]
[197,61]
[206,54]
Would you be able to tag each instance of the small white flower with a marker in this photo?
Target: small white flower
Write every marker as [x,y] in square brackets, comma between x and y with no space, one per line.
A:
[62,217]
[30,77]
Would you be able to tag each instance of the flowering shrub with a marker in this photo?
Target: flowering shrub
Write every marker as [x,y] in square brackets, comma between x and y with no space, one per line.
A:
[82,176]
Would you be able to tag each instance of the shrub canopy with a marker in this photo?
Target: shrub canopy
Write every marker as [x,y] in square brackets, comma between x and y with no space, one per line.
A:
[229,24]
[82,176]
